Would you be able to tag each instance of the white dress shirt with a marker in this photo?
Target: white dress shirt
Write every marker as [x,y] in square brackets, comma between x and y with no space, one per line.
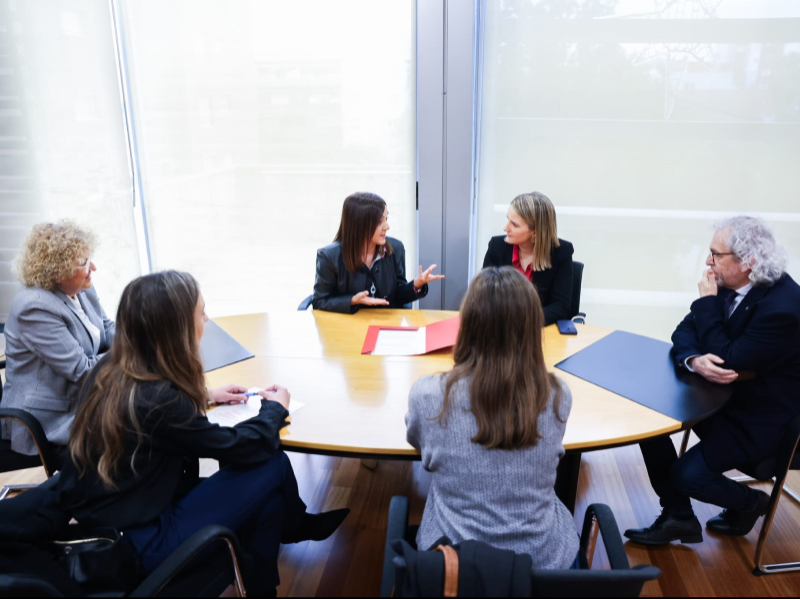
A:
[91,327]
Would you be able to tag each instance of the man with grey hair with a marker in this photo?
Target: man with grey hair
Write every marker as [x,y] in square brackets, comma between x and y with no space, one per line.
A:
[743,331]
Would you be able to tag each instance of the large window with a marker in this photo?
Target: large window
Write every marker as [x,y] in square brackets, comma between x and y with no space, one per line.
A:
[255,119]
[644,122]
[62,139]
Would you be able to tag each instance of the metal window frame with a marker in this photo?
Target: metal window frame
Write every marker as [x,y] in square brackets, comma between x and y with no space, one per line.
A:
[129,123]
[448,36]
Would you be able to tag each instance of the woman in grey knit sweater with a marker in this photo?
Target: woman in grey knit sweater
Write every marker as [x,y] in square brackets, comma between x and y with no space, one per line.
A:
[490,430]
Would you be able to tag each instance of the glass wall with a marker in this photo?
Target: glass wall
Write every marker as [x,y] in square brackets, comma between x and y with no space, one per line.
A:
[644,122]
[62,140]
[255,119]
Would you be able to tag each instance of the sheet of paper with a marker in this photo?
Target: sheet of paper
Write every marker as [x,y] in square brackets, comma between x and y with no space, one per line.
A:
[400,342]
[229,415]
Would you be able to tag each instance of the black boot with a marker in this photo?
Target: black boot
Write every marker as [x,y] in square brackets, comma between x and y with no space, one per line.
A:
[315,527]
[739,522]
[666,528]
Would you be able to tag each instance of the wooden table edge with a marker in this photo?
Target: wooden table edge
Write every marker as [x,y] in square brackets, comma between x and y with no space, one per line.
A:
[412,454]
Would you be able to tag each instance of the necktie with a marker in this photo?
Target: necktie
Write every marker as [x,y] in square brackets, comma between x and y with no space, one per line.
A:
[730,302]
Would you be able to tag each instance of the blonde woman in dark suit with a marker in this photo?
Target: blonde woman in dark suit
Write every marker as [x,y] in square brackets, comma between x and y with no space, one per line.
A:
[532,246]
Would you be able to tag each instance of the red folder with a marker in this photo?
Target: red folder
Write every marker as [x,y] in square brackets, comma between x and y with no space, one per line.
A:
[441,334]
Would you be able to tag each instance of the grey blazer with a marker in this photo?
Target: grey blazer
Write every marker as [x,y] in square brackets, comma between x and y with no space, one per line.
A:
[49,351]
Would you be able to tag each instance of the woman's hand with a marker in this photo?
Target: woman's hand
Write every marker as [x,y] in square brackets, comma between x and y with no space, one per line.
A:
[227,394]
[426,277]
[364,298]
[276,393]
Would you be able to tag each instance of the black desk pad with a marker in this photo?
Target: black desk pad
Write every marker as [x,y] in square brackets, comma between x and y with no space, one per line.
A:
[641,369]
[218,349]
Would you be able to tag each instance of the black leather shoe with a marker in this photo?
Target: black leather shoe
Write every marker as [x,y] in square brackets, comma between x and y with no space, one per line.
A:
[666,529]
[738,522]
[315,527]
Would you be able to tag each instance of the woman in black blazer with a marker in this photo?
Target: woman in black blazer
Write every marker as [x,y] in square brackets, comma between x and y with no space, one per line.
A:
[531,245]
[363,268]
[140,430]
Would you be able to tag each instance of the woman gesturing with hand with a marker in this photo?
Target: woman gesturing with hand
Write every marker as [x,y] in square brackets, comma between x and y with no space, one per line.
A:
[363,267]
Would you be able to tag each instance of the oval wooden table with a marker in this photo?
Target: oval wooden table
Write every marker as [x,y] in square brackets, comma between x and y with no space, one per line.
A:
[355,404]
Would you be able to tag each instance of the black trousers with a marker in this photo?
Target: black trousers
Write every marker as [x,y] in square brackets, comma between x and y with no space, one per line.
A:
[676,480]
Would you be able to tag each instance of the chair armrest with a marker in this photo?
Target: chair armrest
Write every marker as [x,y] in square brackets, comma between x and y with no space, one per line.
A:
[395,530]
[162,575]
[612,540]
[787,448]
[305,303]
[39,438]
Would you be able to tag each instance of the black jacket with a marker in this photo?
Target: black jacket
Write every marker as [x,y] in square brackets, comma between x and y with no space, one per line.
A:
[483,572]
[762,336]
[554,284]
[175,437]
[335,285]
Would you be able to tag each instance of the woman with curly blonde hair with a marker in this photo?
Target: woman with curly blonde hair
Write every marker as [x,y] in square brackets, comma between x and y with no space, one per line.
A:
[55,332]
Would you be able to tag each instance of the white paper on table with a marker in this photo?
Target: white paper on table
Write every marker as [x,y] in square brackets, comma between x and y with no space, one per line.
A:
[400,342]
[229,415]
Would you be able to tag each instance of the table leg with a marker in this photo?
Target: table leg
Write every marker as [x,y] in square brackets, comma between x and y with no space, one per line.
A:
[569,469]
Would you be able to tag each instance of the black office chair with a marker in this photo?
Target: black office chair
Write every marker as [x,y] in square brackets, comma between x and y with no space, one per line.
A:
[775,469]
[577,279]
[13,461]
[620,582]
[179,576]
[305,303]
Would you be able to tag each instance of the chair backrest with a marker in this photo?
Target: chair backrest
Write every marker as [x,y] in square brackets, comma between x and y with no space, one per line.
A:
[305,303]
[581,583]
[577,278]
[22,586]
[574,583]
[11,461]
[788,457]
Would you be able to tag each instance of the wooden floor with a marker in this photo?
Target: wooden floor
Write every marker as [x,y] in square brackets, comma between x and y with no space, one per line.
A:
[349,563]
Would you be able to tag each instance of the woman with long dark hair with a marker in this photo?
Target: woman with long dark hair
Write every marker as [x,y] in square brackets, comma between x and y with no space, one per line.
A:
[490,430]
[363,267]
[141,428]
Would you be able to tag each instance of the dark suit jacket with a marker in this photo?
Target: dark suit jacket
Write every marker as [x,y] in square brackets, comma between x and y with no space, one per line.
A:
[175,437]
[334,285]
[554,284]
[762,336]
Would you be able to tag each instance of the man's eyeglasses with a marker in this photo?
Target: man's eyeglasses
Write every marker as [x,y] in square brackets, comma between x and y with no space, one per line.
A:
[714,255]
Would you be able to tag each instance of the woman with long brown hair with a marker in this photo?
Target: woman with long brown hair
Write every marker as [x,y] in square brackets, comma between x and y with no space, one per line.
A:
[532,246]
[363,267]
[141,429]
[490,430]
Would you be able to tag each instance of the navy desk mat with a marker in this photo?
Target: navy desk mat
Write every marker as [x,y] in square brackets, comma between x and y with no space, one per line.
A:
[218,349]
[641,369]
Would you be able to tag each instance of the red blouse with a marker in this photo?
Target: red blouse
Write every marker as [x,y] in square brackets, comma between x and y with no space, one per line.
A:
[518,265]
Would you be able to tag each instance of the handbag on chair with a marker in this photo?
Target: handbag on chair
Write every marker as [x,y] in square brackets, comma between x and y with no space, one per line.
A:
[99,560]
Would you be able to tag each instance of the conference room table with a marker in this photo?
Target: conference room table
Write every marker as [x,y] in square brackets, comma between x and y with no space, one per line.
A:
[354,404]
